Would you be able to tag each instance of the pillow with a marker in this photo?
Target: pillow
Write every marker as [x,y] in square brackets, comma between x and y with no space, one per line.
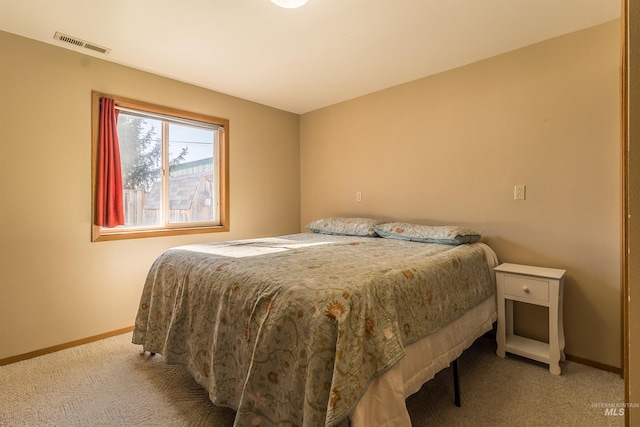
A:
[445,234]
[345,226]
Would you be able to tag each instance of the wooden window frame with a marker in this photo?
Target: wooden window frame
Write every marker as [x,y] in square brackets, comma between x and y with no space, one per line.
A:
[101,234]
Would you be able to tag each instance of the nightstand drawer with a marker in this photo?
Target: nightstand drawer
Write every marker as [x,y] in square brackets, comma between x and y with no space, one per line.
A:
[526,288]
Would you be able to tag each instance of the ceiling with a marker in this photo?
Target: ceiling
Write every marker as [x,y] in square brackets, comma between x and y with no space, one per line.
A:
[299,60]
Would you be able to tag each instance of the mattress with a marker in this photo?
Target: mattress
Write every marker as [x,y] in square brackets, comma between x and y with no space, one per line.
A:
[296,328]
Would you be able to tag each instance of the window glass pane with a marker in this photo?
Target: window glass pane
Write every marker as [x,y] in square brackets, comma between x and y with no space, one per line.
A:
[141,158]
[192,189]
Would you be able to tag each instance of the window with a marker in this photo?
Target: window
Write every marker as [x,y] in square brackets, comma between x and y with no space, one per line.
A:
[174,170]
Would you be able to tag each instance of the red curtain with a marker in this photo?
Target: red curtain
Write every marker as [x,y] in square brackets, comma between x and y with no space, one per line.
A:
[109,198]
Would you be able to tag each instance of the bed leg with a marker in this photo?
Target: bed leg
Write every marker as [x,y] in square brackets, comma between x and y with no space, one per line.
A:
[456,383]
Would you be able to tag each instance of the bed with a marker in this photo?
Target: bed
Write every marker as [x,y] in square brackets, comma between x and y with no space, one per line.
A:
[317,328]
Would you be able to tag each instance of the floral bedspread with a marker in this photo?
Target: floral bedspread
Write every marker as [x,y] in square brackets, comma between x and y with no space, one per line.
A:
[291,330]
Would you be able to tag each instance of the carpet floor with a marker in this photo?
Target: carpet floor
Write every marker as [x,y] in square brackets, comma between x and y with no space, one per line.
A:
[110,383]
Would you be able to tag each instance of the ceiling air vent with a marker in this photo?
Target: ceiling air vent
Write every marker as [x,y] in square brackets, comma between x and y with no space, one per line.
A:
[81,43]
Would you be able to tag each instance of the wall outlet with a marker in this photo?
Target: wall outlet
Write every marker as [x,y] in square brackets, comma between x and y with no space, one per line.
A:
[519,192]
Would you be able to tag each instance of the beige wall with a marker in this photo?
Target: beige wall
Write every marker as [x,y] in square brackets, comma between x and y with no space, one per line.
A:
[449,149]
[55,285]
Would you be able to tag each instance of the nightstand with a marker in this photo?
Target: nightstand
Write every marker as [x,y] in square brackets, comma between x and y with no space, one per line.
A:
[531,285]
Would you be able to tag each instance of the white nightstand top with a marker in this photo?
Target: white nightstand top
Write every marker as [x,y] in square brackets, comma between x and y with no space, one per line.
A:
[551,273]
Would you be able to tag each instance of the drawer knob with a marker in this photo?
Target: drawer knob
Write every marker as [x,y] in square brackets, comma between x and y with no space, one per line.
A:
[525,289]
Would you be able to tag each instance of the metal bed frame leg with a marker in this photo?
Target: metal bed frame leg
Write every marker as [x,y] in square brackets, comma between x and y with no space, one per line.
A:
[456,383]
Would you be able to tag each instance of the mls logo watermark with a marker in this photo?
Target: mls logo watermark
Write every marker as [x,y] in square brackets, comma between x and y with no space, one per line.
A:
[619,412]
[615,409]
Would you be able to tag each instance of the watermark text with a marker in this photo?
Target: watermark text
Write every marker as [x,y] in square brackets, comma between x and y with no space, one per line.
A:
[614,409]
